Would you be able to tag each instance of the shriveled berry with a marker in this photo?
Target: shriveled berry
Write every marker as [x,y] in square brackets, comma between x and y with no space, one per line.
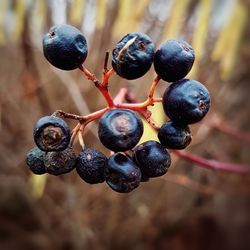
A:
[51,133]
[152,158]
[173,60]
[186,101]
[120,129]
[35,161]
[60,162]
[122,174]
[174,136]
[133,55]
[65,47]
[90,165]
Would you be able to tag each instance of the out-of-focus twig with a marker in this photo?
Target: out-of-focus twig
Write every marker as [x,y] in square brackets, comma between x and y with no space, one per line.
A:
[213,164]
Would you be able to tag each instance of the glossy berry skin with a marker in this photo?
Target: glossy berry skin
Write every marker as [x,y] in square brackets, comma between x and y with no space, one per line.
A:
[90,165]
[186,101]
[35,161]
[120,129]
[174,136]
[133,55]
[122,174]
[61,162]
[152,158]
[144,177]
[65,47]
[173,60]
[51,133]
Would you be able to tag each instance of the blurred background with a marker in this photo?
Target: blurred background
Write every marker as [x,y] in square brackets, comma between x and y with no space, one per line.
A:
[188,208]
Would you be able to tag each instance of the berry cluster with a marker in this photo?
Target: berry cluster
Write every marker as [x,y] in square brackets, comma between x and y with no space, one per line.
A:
[185,102]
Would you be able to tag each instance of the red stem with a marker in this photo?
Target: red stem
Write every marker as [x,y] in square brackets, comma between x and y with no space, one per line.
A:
[83,119]
[103,87]
[213,164]
[123,93]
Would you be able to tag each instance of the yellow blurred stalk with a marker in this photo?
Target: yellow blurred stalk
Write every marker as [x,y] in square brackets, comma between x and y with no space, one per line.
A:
[38,16]
[37,183]
[76,12]
[178,11]
[101,13]
[200,34]
[129,16]
[20,10]
[227,45]
[3,11]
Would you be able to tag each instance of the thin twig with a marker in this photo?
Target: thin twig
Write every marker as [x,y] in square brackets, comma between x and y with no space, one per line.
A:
[213,164]
[102,87]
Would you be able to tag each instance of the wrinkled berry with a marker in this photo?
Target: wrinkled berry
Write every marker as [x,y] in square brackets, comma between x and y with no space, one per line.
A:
[61,162]
[122,174]
[65,47]
[133,55]
[173,60]
[120,129]
[35,161]
[152,158]
[186,101]
[51,133]
[90,165]
[174,136]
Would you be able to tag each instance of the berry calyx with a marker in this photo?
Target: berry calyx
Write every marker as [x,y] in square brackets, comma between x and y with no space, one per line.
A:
[51,133]
[186,101]
[60,162]
[90,165]
[152,158]
[121,173]
[173,60]
[65,47]
[120,129]
[35,161]
[133,55]
[174,136]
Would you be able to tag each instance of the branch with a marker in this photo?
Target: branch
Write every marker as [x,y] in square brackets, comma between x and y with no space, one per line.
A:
[213,164]
[102,87]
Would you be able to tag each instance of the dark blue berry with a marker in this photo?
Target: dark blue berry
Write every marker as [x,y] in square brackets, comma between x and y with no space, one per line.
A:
[90,165]
[144,177]
[133,55]
[61,162]
[51,133]
[186,101]
[122,174]
[173,60]
[152,158]
[120,129]
[65,47]
[174,136]
[35,161]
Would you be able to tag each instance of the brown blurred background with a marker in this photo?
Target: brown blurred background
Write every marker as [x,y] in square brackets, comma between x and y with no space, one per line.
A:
[190,207]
